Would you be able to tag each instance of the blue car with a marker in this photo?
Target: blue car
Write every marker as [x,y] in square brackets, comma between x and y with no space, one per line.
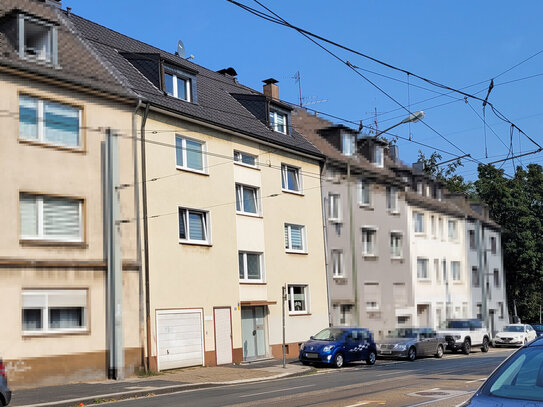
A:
[337,346]
[517,382]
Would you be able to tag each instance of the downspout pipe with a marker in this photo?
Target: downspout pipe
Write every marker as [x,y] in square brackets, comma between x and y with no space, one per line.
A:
[325,236]
[145,236]
[138,229]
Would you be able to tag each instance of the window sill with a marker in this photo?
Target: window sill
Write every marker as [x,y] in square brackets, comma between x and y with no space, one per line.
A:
[52,243]
[250,215]
[37,143]
[192,171]
[195,243]
[336,221]
[370,256]
[367,207]
[290,191]
[298,314]
[295,252]
[420,234]
[253,167]
[394,212]
[246,282]
[49,334]
[424,280]
[340,278]
[458,282]
[397,258]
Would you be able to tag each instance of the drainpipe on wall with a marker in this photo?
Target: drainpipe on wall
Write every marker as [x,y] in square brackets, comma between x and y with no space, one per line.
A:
[325,235]
[352,243]
[481,246]
[138,229]
[145,236]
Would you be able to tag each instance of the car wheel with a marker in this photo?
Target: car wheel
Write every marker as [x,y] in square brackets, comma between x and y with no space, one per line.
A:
[466,347]
[411,354]
[439,353]
[484,348]
[370,360]
[338,360]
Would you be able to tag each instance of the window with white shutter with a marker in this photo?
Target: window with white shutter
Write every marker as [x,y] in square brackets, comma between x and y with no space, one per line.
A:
[50,218]
[193,226]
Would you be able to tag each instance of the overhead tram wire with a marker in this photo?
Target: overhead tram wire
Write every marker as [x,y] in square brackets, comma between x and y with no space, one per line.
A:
[353,68]
[280,21]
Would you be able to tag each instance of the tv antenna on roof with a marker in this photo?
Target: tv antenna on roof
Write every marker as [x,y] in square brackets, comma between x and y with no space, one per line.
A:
[180,49]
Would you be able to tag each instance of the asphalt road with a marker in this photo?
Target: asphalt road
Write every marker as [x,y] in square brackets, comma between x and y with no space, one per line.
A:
[429,382]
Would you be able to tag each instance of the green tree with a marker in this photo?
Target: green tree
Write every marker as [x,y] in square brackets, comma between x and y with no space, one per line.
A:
[446,173]
[517,205]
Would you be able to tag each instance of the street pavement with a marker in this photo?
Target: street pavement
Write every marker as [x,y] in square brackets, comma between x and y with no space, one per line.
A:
[433,382]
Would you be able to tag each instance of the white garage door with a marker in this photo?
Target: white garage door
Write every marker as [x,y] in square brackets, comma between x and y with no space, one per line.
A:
[179,338]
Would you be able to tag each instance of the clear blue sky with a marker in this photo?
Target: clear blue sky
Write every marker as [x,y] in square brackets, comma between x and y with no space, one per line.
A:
[457,43]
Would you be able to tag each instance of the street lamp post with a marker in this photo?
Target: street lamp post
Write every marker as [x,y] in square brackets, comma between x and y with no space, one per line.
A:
[412,118]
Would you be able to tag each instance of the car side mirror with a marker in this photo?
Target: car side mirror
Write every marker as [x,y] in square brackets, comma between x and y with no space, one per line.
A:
[311,337]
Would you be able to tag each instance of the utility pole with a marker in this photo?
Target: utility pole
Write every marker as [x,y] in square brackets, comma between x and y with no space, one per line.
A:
[283,300]
[114,260]
[482,275]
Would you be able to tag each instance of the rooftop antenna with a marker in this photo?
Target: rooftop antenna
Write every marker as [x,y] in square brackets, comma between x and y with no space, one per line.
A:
[180,49]
[298,79]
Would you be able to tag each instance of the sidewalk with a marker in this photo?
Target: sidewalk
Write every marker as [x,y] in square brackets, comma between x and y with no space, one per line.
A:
[70,395]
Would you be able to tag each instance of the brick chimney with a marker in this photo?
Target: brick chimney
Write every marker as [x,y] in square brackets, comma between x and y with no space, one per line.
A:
[270,89]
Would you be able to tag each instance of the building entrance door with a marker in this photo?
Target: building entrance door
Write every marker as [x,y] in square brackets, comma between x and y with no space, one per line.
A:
[253,332]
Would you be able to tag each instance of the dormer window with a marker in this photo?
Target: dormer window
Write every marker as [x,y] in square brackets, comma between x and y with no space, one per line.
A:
[278,121]
[378,156]
[179,84]
[37,40]
[347,144]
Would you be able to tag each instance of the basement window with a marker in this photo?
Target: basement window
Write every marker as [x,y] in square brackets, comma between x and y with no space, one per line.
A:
[37,40]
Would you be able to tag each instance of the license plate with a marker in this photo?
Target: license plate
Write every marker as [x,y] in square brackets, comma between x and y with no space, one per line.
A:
[311,356]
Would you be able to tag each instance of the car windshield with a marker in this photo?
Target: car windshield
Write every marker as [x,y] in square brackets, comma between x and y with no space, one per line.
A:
[329,334]
[521,377]
[538,327]
[513,328]
[403,333]
[463,324]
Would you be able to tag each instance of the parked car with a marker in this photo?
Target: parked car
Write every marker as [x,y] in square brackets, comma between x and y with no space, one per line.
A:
[463,334]
[515,335]
[517,382]
[538,328]
[411,343]
[5,392]
[337,346]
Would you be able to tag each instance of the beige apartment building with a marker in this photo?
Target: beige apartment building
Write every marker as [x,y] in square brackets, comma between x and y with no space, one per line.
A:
[53,266]
[231,210]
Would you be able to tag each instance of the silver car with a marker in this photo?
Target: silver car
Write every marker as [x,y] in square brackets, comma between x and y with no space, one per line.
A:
[5,392]
[411,343]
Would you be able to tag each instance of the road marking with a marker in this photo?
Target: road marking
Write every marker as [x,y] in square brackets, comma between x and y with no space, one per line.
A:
[275,391]
[477,380]
[364,403]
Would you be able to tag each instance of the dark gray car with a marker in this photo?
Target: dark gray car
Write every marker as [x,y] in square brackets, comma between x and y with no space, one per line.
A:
[5,392]
[411,343]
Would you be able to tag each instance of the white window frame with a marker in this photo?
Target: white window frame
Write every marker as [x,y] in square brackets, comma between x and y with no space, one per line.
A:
[392,199]
[41,124]
[396,250]
[334,205]
[245,278]
[52,39]
[348,144]
[337,263]
[433,226]
[289,248]
[420,276]
[372,306]
[46,330]
[291,302]
[175,89]
[183,149]
[362,186]
[416,223]
[284,178]
[239,198]
[40,219]
[452,232]
[419,188]
[206,226]
[456,274]
[273,121]
[365,231]
[238,159]
[379,156]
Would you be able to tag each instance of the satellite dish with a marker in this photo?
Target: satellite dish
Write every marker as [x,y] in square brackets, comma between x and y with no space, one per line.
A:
[180,49]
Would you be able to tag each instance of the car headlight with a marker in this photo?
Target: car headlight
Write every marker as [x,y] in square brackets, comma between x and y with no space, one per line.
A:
[302,347]
[498,337]
[328,348]
[400,346]
[457,337]
[378,346]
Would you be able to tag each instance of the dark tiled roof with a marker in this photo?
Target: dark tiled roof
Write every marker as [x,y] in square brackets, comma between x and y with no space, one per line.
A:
[215,103]
[77,64]
[433,204]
